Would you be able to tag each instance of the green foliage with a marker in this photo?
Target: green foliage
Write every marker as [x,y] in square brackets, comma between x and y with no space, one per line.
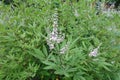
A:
[25,55]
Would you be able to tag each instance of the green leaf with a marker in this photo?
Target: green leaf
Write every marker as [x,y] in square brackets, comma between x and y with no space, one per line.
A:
[72,42]
[50,65]
[37,54]
[78,76]
[45,50]
[62,72]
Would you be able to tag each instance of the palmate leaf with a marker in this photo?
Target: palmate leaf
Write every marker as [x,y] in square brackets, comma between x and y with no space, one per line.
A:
[106,68]
[62,72]
[73,41]
[66,71]
[37,54]
[50,65]
[103,65]
[78,76]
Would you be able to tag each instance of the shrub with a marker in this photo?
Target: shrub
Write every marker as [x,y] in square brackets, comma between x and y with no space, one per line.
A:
[52,39]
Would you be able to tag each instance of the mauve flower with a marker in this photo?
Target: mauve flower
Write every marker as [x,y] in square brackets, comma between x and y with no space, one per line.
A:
[94,53]
[64,49]
[112,62]
[60,39]
[50,44]
[55,18]
[54,36]
[76,13]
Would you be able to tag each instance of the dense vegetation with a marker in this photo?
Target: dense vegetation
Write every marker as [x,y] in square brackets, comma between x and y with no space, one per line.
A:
[57,40]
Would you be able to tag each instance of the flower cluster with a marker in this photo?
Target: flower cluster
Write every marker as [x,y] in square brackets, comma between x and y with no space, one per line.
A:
[94,53]
[55,18]
[55,36]
[76,13]
[64,49]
